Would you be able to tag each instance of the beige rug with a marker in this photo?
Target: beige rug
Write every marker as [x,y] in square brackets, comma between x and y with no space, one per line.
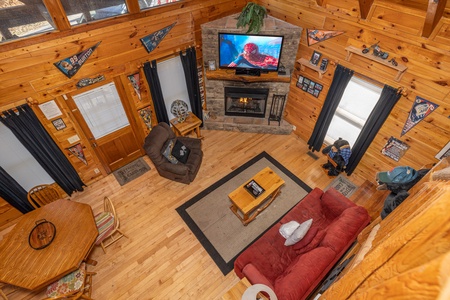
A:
[221,233]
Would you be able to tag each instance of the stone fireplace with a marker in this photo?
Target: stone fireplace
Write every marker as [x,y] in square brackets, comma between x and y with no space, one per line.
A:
[245,102]
[230,112]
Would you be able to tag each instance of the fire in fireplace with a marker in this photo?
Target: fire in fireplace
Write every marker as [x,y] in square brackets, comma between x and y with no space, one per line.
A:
[249,102]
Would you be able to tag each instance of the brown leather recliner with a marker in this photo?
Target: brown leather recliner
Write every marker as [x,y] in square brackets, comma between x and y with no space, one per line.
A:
[180,172]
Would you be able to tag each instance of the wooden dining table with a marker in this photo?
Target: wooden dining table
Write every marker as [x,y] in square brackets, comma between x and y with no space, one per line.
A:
[75,233]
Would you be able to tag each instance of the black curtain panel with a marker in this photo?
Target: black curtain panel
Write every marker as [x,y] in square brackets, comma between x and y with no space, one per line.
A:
[189,61]
[14,193]
[341,78]
[151,73]
[29,131]
[388,98]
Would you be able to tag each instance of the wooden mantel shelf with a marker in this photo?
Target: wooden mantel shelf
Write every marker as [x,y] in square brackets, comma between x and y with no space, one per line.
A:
[400,67]
[226,74]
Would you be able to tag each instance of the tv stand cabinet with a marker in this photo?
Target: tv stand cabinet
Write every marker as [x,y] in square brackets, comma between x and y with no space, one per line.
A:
[229,75]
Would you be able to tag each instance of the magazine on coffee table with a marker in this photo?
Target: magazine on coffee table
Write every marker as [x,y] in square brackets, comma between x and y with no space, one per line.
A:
[254,188]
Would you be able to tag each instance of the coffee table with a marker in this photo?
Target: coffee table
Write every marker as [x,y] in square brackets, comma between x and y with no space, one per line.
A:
[246,206]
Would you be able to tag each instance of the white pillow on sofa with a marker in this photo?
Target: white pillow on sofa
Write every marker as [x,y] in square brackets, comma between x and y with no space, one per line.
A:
[298,233]
[287,229]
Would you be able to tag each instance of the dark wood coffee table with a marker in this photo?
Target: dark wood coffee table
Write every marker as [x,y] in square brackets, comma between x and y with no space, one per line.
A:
[247,207]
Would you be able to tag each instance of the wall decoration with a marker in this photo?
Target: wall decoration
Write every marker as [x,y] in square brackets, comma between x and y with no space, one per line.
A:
[59,124]
[394,148]
[314,36]
[77,150]
[315,58]
[445,152]
[88,81]
[151,41]
[146,115]
[71,65]
[136,82]
[309,86]
[420,109]
[50,109]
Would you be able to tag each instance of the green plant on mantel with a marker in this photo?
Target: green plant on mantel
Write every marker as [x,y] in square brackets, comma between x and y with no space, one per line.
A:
[252,15]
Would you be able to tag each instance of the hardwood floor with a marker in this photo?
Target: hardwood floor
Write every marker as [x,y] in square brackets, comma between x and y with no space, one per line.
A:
[162,259]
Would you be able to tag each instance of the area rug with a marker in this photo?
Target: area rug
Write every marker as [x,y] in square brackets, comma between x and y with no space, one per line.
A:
[343,185]
[131,171]
[220,232]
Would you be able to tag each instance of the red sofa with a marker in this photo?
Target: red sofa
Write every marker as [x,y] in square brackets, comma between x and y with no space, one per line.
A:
[293,272]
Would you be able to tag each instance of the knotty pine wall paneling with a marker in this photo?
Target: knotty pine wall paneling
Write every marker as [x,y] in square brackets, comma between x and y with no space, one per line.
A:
[427,75]
[27,70]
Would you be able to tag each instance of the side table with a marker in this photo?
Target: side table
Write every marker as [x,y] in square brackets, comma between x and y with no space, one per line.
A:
[236,292]
[192,123]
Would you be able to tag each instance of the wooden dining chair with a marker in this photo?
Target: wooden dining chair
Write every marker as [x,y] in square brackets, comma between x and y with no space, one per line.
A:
[108,225]
[76,285]
[6,290]
[43,194]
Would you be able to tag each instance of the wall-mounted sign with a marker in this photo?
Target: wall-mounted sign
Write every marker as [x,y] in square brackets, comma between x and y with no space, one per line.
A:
[50,109]
[314,36]
[71,65]
[152,40]
[420,109]
[88,81]
[394,148]
[77,150]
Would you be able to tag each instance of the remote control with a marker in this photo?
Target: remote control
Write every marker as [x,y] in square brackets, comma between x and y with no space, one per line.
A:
[324,64]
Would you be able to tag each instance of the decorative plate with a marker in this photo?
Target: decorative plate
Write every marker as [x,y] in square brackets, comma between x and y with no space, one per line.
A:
[42,234]
[179,108]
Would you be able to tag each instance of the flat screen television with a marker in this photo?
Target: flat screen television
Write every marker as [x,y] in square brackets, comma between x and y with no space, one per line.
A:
[250,51]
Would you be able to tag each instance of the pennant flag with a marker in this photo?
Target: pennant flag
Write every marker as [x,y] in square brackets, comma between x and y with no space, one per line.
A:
[314,36]
[70,65]
[77,150]
[420,109]
[151,41]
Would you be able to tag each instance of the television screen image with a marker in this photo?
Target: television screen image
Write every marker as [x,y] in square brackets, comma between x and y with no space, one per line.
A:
[248,51]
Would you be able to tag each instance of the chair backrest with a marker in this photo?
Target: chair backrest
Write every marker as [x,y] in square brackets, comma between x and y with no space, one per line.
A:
[108,206]
[155,141]
[41,195]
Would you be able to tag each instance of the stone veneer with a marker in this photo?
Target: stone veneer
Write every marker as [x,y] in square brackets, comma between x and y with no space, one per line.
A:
[215,88]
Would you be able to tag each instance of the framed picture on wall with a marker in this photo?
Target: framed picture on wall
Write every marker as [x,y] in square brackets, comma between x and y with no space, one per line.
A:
[315,58]
[59,124]
[211,65]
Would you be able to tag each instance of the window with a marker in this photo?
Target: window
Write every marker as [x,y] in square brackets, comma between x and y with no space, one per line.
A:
[143,4]
[102,110]
[82,11]
[358,101]
[173,83]
[19,163]
[23,18]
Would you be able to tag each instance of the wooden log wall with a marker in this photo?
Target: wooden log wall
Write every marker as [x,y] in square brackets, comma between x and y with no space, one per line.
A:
[398,30]
[27,70]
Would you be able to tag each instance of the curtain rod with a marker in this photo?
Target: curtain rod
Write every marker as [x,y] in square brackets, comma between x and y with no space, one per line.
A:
[14,105]
[175,52]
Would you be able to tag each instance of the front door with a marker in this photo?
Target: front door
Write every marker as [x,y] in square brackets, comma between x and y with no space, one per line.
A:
[103,118]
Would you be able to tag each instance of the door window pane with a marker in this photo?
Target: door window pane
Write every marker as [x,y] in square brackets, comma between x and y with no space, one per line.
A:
[23,18]
[102,110]
[82,11]
[19,163]
[143,4]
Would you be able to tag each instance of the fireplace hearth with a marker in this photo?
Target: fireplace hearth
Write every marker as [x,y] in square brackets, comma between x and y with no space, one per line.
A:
[246,102]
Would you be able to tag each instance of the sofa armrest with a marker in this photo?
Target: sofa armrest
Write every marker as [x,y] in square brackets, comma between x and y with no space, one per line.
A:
[254,276]
[334,203]
[191,143]
[178,168]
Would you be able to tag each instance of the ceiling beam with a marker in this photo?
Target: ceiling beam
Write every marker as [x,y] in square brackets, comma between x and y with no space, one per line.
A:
[364,7]
[434,13]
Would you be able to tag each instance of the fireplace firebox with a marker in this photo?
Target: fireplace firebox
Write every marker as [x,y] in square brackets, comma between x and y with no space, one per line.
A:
[248,102]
